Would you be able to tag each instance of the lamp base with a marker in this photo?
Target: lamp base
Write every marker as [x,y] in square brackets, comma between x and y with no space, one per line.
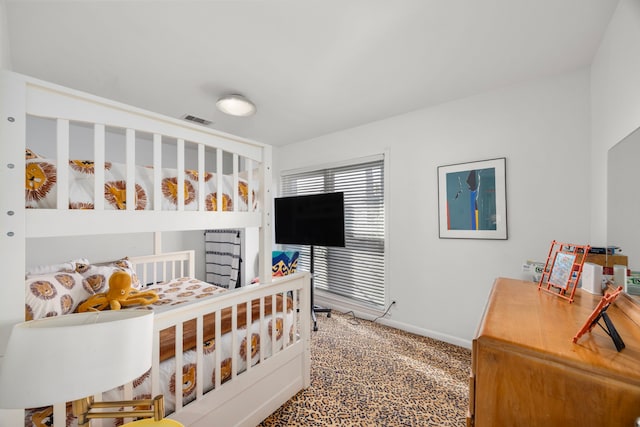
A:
[86,409]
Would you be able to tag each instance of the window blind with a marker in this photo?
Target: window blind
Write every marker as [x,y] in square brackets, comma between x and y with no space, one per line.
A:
[356,271]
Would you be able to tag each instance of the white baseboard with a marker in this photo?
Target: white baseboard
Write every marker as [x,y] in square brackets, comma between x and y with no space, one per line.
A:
[426,333]
[343,306]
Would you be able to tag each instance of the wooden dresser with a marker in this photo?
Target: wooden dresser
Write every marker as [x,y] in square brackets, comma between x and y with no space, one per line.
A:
[526,371]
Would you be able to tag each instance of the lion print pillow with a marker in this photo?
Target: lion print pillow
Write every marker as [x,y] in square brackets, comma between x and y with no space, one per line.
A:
[97,275]
[54,294]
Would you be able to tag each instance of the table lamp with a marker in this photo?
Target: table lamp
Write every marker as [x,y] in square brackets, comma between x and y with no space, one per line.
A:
[75,356]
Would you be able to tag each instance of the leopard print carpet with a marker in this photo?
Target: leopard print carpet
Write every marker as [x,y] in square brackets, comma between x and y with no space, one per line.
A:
[367,374]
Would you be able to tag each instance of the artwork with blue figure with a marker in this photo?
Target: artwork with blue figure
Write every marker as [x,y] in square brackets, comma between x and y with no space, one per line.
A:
[471,199]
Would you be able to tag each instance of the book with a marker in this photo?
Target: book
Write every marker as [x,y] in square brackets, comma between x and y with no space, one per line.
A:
[609,250]
[633,283]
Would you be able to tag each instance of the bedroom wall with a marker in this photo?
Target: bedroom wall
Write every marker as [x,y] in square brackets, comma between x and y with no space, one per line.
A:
[615,100]
[542,129]
[5,53]
[101,248]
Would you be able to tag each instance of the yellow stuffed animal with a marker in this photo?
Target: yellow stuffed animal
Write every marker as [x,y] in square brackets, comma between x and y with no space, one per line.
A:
[120,294]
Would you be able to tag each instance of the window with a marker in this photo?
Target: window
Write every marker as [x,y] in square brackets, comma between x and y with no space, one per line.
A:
[356,271]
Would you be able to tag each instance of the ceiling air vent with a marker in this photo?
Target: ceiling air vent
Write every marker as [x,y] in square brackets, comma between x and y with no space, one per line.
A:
[198,120]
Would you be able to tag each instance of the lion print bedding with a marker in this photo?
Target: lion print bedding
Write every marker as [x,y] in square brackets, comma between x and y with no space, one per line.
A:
[54,290]
[182,291]
[41,177]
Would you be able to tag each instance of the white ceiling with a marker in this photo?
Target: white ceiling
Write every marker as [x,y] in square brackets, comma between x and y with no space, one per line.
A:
[311,67]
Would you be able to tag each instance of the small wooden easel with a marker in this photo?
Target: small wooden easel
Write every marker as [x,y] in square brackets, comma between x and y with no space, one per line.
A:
[563,269]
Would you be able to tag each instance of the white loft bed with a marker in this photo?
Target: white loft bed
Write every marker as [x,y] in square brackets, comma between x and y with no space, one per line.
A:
[249,396]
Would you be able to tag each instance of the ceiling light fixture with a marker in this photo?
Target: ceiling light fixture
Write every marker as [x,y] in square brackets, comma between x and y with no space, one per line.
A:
[236,105]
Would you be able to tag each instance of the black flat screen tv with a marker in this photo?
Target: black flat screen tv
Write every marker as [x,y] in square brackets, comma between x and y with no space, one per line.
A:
[314,220]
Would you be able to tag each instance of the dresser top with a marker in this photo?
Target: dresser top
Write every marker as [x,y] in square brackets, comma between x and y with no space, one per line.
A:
[528,320]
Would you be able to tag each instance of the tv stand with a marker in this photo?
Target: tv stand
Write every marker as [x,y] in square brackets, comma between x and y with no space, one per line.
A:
[314,308]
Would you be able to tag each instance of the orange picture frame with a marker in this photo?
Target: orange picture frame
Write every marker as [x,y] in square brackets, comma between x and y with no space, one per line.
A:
[598,313]
[563,269]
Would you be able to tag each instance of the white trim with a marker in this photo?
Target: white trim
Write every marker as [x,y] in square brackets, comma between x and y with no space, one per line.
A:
[387,212]
[362,312]
[333,165]
[427,333]
[344,304]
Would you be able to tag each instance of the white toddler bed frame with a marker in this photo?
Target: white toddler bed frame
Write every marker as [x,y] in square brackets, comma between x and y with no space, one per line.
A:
[247,398]
[254,394]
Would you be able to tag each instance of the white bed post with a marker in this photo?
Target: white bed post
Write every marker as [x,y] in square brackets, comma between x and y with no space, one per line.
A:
[219,173]
[62,156]
[236,197]
[12,236]
[157,172]
[266,201]
[98,161]
[157,242]
[180,178]
[130,141]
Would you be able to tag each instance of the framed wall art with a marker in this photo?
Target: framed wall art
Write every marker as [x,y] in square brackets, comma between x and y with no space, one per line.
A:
[472,200]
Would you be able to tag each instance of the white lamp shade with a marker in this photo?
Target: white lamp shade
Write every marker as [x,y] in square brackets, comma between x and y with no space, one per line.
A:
[236,105]
[60,359]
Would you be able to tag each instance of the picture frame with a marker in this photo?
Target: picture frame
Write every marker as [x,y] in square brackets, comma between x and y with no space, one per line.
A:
[600,312]
[562,270]
[472,200]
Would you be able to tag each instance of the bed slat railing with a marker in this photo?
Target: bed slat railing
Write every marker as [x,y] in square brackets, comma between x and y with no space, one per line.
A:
[219,198]
[249,338]
[178,365]
[180,180]
[295,286]
[71,109]
[201,177]
[155,362]
[200,356]
[49,100]
[130,155]
[251,188]
[59,414]
[235,195]
[162,267]
[234,341]
[218,355]
[262,355]
[98,159]
[157,172]
[82,221]
[273,329]
[62,144]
